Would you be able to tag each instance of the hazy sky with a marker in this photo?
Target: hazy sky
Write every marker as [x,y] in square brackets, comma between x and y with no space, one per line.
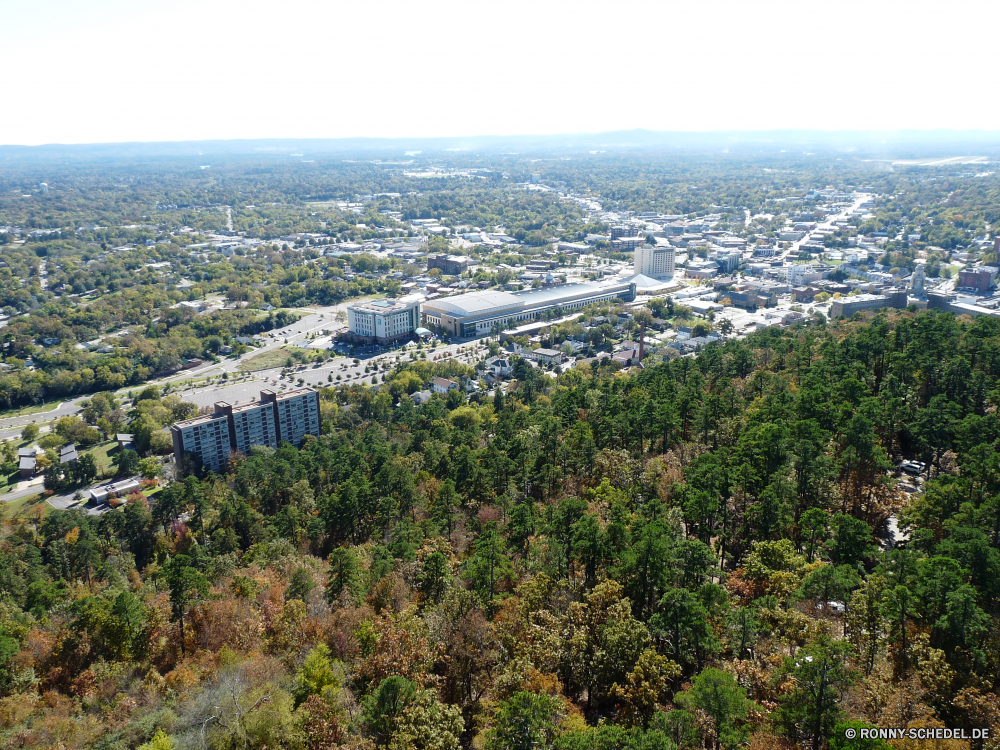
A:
[77,71]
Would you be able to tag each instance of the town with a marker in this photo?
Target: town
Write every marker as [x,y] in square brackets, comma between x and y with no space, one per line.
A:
[641,288]
[448,450]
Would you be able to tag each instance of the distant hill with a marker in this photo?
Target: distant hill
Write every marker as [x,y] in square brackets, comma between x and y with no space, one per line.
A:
[902,144]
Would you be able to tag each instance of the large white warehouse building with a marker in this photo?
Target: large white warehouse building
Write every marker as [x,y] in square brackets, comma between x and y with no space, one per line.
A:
[480,313]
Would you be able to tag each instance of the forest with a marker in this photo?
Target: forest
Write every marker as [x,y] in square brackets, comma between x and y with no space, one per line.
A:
[714,552]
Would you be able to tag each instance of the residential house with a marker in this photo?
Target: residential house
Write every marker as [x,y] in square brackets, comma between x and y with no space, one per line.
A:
[443,385]
[549,356]
[499,366]
[420,397]
[26,463]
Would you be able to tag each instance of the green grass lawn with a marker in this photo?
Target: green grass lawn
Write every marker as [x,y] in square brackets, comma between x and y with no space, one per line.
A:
[7,483]
[25,507]
[104,454]
[266,360]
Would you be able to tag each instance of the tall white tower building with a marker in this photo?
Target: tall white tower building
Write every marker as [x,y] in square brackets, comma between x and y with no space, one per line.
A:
[655,261]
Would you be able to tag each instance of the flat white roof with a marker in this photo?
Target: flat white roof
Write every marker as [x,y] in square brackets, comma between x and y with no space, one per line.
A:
[477,303]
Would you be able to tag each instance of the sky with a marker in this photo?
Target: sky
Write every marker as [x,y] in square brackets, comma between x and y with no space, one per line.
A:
[105,71]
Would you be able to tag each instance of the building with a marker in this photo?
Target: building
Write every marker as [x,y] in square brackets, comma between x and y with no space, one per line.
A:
[443,385]
[626,244]
[847,306]
[205,436]
[384,320]
[949,303]
[750,298]
[451,265]
[728,260]
[805,293]
[656,262]
[285,417]
[541,265]
[481,313]
[549,356]
[800,274]
[114,489]
[627,357]
[420,397]
[296,413]
[26,463]
[68,454]
[701,270]
[499,366]
[125,441]
[251,424]
[978,279]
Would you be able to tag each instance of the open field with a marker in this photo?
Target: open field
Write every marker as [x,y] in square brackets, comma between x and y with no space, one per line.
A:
[265,360]
[104,455]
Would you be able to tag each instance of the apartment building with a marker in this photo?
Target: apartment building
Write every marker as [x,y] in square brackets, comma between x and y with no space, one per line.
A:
[277,417]
[206,436]
[252,424]
[296,413]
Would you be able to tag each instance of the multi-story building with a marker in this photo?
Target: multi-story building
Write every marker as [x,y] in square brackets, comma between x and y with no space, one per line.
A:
[803,273]
[452,265]
[285,417]
[655,262]
[728,260]
[252,424]
[296,413]
[979,279]
[384,320]
[626,244]
[206,436]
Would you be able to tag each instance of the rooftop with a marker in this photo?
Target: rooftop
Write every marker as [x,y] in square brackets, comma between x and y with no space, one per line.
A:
[387,305]
[495,301]
[250,405]
[296,392]
[195,421]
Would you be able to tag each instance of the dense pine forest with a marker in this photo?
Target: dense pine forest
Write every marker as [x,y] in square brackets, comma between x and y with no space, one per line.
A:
[716,551]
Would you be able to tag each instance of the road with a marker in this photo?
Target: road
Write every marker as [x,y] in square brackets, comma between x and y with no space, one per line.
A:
[244,386]
[62,501]
[793,249]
